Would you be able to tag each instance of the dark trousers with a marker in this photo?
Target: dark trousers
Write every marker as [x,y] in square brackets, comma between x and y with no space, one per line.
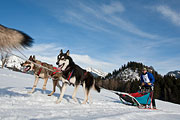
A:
[150,89]
[153,100]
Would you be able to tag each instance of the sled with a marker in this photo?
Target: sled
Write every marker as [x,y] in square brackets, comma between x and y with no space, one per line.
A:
[142,99]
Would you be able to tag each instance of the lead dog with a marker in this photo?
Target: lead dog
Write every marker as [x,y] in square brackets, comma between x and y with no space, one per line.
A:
[44,72]
[73,74]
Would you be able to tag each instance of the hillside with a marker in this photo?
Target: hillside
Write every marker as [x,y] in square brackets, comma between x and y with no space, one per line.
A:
[175,73]
[96,72]
[16,104]
[14,61]
[126,79]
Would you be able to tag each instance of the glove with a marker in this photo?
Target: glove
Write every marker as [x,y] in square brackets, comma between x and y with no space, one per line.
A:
[143,84]
[149,83]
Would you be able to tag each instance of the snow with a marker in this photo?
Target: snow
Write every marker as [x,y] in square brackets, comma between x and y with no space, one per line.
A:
[14,61]
[128,74]
[17,104]
[97,72]
[175,73]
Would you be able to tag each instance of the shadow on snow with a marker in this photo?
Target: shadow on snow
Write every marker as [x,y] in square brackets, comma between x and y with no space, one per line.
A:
[67,97]
[7,92]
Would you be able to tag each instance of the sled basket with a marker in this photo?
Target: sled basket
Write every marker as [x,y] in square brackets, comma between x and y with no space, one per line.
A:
[136,99]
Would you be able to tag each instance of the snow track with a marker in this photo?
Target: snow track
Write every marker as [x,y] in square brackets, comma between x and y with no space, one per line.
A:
[17,104]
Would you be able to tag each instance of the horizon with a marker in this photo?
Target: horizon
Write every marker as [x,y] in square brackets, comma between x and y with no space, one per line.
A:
[102,34]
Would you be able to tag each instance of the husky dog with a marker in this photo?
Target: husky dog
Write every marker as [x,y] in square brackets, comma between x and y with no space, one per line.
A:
[11,38]
[73,74]
[44,72]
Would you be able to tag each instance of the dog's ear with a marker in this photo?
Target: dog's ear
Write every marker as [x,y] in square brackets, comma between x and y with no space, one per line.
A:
[30,57]
[61,51]
[34,57]
[67,53]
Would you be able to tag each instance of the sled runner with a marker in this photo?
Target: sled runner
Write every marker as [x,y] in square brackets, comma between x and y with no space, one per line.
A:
[142,99]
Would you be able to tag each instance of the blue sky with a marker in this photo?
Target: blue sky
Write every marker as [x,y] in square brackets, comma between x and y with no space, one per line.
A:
[103,34]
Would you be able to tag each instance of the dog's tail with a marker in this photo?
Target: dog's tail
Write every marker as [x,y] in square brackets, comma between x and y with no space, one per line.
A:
[96,86]
[11,38]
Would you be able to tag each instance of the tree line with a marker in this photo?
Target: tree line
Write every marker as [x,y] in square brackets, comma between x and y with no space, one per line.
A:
[166,87]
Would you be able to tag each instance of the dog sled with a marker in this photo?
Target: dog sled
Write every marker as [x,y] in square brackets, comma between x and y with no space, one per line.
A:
[142,99]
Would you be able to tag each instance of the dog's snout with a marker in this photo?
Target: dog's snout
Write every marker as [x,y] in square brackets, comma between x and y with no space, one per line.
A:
[21,64]
[57,63]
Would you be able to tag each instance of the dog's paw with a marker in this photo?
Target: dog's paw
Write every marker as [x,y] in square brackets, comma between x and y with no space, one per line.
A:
[44,88]
[58,101]
[29,92]
[75,99]
[84,103]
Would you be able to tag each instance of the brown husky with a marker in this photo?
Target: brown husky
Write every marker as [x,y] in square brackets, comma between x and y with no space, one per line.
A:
[44,71]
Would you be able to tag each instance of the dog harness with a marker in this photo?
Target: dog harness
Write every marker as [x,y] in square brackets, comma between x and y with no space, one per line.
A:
[70,75]
[40,70]
[85,73]
[57,70]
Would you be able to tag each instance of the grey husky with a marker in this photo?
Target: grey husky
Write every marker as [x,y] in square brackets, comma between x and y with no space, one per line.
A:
[44,72]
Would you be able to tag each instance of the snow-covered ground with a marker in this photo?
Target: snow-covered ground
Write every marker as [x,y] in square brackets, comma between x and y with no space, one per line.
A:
[17,104]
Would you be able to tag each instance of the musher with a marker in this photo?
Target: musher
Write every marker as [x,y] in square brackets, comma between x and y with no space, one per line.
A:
[147,83]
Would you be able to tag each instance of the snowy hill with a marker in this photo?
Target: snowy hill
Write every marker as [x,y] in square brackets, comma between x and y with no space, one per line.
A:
[128,72]
[14,61]
[128,75]
[16,104]
[96,72]
[175,73]
[125,75]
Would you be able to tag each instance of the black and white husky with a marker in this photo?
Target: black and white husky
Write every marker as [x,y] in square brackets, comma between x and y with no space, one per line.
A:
[73,74]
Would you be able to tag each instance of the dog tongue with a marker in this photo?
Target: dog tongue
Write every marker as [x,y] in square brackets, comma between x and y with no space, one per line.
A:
[24,70]
[59,68]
